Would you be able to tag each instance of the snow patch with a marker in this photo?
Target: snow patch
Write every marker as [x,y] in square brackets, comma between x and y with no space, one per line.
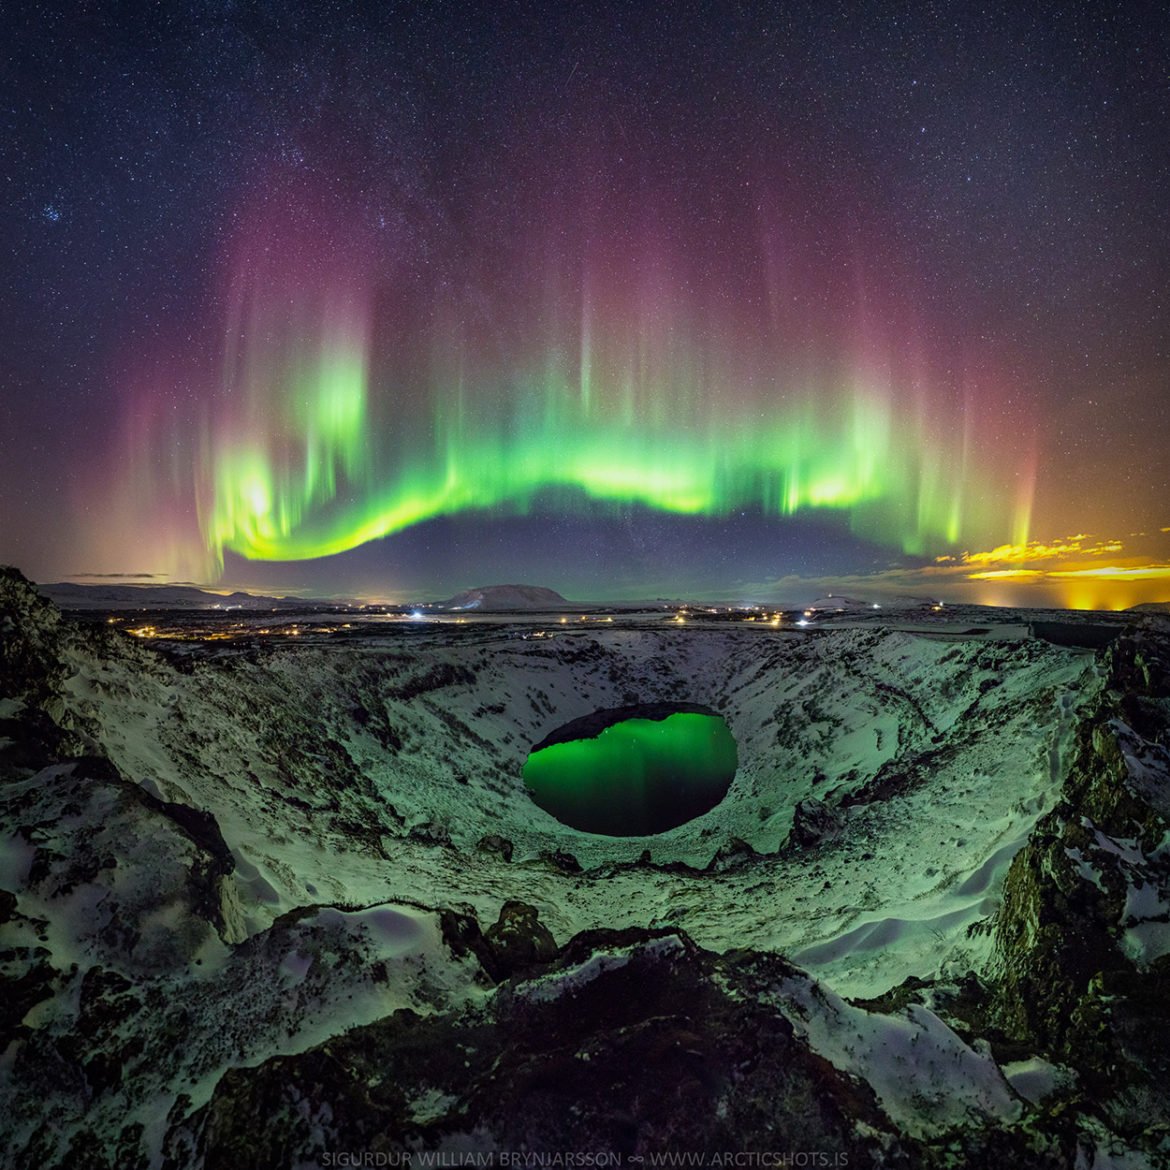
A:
[392,933]
[1085,868]
[16,858]
[572,979]
[1036,1078]
[926,1079]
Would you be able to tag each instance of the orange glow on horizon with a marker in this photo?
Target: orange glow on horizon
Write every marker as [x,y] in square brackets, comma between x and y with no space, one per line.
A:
[1118,573]
[999,574]
[1064,573]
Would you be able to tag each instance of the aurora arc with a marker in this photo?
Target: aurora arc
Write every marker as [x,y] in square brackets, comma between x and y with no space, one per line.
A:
[348,388]
[311,467]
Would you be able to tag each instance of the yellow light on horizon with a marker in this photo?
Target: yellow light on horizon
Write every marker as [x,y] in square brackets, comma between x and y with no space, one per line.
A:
[1004,574]
[1118,573]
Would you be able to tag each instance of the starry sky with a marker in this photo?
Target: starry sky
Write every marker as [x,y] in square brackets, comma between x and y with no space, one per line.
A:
[718,300]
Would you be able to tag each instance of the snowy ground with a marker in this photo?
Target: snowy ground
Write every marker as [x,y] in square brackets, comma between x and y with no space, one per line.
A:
[421,746]
[351,795]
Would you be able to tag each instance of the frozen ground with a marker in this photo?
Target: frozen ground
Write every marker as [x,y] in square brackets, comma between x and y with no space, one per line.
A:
[937,756]
[281,835]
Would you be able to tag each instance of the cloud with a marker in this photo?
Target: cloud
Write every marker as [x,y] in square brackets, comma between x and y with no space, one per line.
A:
[115,576]
[1066,573]
[1034,550]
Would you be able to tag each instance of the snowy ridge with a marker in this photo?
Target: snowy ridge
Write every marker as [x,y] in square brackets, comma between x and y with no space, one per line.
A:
[427,749]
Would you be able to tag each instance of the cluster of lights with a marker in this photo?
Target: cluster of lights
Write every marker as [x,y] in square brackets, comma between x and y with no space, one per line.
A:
[238,630]
[753,613]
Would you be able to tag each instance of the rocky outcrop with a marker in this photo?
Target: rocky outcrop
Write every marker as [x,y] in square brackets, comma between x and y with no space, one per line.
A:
[37,651]
[1082,970]
[813,821]
[626,1043]
[592,725]
[30,638]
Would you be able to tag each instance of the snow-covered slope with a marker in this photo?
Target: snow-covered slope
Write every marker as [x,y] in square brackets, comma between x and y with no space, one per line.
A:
[352,759]
[258,849]
[506,597]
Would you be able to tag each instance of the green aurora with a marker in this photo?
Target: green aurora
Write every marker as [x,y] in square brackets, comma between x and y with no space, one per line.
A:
[310,461]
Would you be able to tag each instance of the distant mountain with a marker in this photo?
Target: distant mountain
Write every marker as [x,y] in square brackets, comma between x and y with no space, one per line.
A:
[507,597]
[1151,607]
[842,604]
[69,595]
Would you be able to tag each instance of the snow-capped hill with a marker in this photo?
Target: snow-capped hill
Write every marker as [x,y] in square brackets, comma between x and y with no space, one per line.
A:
[838,603]
[503,597]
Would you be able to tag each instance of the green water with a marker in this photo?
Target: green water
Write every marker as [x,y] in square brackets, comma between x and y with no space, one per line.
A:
[636,777]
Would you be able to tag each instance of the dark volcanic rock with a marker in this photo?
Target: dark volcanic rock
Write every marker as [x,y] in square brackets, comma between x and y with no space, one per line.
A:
[1074,977]
[631,1042]
[592,725]
[518,941]
[30,635]
[734,854]
[813,821]
[494,843]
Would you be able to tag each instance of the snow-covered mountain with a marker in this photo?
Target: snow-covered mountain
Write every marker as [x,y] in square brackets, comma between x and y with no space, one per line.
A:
[268,902]
[506,597]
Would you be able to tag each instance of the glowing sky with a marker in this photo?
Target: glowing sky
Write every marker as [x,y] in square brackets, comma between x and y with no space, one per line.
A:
[334,422]
[649,302]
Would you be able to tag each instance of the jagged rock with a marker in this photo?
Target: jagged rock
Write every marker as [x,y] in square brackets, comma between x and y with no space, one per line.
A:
[592,725]
[494,843]
[813,821]
[30,633]
[518,940]
[21,992]
[1074,973]
[628,1043]
[733,854]
[431,833]
[561,860]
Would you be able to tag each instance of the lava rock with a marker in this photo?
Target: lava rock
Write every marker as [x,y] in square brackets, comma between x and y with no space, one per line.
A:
[634,1042]
[560,859]
[519,941]
[732,855]
[494,843]
[813,821]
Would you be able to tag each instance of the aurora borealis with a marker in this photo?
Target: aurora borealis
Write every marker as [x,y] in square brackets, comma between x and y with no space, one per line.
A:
[636,303]
[333,426]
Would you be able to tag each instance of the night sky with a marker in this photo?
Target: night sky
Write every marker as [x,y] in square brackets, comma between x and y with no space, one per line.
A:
[630,300]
